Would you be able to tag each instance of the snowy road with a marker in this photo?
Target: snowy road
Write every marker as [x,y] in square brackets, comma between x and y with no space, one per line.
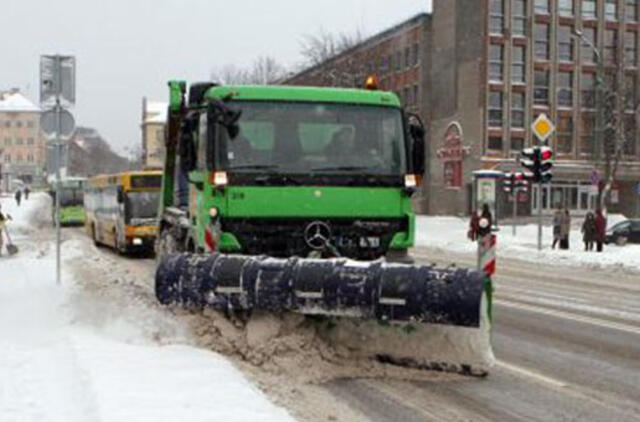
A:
[568,347]
[567,341]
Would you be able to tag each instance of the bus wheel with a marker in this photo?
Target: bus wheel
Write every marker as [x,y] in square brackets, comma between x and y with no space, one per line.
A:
[120,249]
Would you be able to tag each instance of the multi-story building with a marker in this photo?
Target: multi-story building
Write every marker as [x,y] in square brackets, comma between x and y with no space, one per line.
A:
[22,146]
[399,57]
[498,64]
[154,119]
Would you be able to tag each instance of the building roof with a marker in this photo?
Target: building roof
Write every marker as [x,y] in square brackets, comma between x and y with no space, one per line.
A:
[374,39]
[304,94]
[16,102]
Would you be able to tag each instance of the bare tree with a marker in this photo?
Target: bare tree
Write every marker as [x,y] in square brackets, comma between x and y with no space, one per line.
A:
[619,109]
[264,70]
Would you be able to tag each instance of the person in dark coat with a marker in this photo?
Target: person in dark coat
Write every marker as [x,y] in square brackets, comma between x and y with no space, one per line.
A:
[18,196]
[565,230]
[26,193]
[589,231]
[601,229]
[557,228]
[474,226]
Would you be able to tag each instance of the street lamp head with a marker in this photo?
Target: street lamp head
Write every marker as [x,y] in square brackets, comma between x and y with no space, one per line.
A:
[577,32]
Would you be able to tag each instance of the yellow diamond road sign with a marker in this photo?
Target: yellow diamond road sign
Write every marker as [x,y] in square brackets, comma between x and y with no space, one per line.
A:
[543,127]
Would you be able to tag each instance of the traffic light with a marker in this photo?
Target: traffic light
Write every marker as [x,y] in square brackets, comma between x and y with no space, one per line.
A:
[508,182]
[515,182]
[539,161]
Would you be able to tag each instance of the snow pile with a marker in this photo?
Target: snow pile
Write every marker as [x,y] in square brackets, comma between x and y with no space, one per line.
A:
[450,234]
[65,356]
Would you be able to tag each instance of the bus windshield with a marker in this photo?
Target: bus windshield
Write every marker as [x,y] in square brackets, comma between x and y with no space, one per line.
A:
[141,205]
[317,138]
[71,196]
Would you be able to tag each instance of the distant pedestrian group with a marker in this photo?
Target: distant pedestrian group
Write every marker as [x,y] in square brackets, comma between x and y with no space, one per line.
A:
[594,230]
[19,193]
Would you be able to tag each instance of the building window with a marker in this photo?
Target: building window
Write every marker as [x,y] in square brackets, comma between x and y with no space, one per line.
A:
[517,110]
[30,124]
[565,7]
[30,158]
[496,17]
[631,48]
[7,142]
[398,61]
[30,141]
[7,158]
[18,123]
[588,90]
[519,17]
[611,10]
[384,65]
[416,54]
[610,45]
[631,10]
[565,43]
[7,124]
[541,87]
[587,132]
[565,89]
[407,96]
[495,143]
[517,144]
[407,57]
[565,134]
[518,64]
[542,7]
[19,141]
[496,57]
[589,9]
[416,94]
[541,41]
[631,92]
[495,109]
[587,52]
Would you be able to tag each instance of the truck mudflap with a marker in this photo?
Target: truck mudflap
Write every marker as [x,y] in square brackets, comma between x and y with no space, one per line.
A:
[413,315]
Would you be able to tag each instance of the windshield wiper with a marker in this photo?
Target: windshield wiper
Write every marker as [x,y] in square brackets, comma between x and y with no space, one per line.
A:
[342,168]
[255,167]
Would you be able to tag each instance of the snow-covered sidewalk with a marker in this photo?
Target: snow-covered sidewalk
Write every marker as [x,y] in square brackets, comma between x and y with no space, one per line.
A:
[57,366]
[450,234]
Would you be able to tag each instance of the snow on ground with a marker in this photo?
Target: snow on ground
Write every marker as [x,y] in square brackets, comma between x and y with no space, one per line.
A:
[450,233]
[56,365]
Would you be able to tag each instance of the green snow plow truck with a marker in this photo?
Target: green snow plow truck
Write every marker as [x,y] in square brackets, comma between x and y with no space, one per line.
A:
[298,199]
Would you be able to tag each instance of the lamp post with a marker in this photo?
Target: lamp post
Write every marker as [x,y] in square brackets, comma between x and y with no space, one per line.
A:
[599,92]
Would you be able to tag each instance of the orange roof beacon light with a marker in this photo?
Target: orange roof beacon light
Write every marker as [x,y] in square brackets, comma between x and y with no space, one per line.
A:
[371,83]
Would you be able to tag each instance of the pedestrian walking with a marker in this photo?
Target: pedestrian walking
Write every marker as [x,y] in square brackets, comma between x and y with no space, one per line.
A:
[474,226]
[557,228]
[18,196]
[4,218]
[589,231]
[26,192]
[601,229]
[565,229]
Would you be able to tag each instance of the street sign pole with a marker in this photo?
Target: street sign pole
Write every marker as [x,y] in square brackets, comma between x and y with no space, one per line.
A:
[540,216]
[515,209]
[58,163]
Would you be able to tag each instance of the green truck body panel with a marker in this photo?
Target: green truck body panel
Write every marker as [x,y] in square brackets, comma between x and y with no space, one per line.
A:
[308,202]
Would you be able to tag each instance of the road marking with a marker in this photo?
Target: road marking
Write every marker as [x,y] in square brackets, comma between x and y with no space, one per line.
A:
[531,374]
[566,315]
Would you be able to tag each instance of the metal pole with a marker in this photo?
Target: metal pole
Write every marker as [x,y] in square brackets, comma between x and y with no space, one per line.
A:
[540,216]
[515,210]
[58,164]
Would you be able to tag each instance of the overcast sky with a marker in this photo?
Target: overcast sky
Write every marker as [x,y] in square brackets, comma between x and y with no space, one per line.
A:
[127,49]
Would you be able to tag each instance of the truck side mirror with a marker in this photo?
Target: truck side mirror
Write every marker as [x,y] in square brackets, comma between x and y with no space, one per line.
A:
[417,132]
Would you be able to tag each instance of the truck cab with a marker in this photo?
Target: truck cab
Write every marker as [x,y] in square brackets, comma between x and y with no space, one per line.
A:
[289,171]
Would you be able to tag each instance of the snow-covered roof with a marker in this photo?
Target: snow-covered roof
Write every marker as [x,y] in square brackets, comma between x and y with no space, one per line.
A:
[16,102]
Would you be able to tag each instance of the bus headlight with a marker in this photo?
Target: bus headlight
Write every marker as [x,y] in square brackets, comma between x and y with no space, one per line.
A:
[137,241]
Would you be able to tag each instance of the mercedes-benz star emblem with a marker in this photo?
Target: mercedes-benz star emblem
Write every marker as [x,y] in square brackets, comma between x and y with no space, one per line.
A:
[317,235]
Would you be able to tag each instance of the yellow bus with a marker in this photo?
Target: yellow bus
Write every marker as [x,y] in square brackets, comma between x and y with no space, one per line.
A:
[121,210]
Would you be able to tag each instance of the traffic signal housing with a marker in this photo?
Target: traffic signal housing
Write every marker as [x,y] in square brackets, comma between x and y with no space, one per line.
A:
[539,161]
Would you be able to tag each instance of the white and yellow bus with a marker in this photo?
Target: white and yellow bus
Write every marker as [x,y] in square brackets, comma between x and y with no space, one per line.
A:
[121,210]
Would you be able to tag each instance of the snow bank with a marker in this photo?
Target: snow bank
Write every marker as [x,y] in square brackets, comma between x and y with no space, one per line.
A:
[450,233]
[57,364]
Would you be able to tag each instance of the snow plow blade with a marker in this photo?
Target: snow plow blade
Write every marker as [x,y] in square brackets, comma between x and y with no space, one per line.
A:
[412,315]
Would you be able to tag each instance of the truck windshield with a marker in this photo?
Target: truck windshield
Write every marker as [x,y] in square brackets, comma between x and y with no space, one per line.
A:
[141,205]
[315,137]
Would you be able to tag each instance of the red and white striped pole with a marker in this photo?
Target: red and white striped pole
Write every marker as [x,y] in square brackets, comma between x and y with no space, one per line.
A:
[487,254]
